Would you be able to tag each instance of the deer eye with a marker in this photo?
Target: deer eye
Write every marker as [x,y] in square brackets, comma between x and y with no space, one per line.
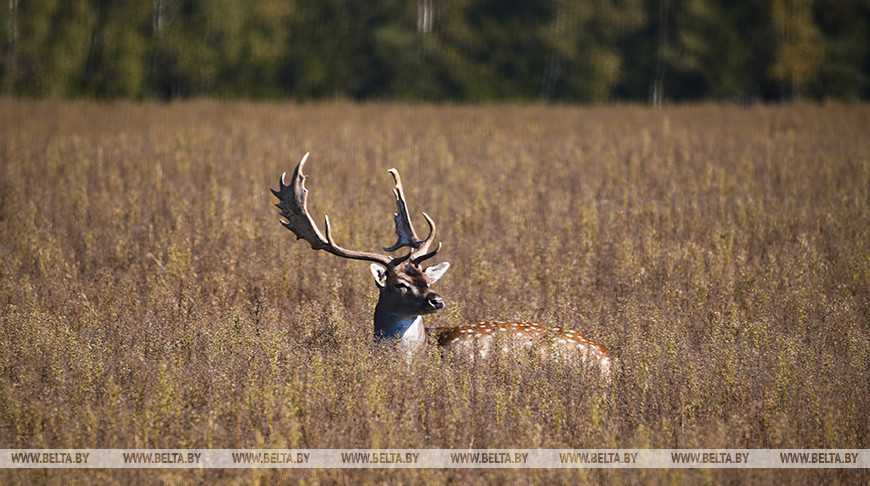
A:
[402,286]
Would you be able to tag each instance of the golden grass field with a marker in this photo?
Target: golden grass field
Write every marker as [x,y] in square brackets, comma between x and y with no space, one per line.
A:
[150,299]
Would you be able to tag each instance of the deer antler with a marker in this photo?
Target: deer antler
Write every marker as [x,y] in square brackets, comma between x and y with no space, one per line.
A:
[404,229]
[293,207]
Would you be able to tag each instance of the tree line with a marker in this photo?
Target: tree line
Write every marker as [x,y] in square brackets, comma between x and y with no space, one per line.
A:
[438,50]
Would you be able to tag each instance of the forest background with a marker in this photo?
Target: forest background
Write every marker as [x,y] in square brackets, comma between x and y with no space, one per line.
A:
[438,50]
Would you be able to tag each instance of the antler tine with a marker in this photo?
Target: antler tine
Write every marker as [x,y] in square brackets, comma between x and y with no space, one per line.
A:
[405,230]
[424,246]
[417,260]
[293,205]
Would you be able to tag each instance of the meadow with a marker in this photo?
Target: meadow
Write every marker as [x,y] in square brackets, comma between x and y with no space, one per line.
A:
[150,299]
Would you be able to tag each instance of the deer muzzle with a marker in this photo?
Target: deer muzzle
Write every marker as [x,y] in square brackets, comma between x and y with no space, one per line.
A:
[435,303]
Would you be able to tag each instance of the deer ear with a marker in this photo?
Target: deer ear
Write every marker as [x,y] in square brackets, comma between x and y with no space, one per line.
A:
[380,274]
[435,272]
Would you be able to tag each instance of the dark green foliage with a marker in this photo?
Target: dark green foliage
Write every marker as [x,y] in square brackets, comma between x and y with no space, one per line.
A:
[438,50]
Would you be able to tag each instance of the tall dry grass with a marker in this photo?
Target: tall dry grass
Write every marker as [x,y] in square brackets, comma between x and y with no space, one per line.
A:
[151,299]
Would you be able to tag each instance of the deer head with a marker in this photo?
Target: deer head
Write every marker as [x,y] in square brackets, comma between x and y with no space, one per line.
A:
[404,284]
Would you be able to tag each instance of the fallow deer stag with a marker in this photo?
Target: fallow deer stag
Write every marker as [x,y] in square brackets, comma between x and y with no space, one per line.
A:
[405,293]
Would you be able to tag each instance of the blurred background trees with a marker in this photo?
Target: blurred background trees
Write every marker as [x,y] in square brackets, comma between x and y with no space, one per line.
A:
[458,50]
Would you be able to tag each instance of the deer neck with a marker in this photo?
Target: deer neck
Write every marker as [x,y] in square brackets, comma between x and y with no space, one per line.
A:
[407,329]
